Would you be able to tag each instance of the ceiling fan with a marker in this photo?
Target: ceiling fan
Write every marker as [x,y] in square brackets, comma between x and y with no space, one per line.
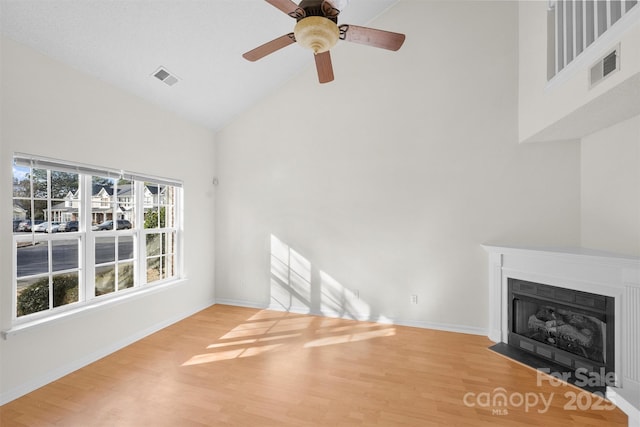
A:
[317,29]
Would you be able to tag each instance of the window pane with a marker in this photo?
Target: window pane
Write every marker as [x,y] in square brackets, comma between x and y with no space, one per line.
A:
[105,280]
[125,247]
[171,216]
[150,194]
[65,289]
[32,259]
[154,217]
[105,249]
[33,296]
[63,183]
[65,197]
[64,254]
[39,211]
[162,194]
[153,244]
[125,275]
[21,182]
[159,205]
[170,244]
[21,212]
[39,183]
[153,269]
[102,202]
[126,203]
[168,268]
[69,226]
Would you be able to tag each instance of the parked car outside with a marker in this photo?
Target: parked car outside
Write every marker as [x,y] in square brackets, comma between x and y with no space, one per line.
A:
[44,226]
[68,226]
[16,224]
[122,224]
[53,228]
[26,224]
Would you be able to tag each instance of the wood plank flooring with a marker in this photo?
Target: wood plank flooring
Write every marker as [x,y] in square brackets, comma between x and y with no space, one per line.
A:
[233,366]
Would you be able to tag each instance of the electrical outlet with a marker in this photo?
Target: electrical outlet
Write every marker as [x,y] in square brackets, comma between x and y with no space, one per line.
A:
[414,299]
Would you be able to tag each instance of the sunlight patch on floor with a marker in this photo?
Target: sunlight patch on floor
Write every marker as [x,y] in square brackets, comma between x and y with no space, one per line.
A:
[347,338]
[252,341]
[230,354]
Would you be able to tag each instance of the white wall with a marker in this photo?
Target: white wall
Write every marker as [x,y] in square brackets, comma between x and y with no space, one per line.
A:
[569,108]
[387,180]
[52,110]
[610,191]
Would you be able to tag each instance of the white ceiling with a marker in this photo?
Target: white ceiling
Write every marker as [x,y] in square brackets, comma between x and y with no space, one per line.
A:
[123,42]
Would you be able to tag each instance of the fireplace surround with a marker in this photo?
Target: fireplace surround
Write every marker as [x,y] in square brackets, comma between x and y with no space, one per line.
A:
[613,280]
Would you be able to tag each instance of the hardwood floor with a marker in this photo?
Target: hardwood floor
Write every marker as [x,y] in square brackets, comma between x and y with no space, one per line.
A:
[232,366]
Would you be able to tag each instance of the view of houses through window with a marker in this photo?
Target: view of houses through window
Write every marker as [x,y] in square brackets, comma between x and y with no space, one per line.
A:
[80,233]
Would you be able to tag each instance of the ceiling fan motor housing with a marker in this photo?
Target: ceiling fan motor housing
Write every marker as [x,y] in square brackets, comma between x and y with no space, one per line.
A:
[316,33]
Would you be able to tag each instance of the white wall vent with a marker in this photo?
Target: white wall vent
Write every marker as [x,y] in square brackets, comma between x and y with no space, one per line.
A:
[605,66]
[165,76]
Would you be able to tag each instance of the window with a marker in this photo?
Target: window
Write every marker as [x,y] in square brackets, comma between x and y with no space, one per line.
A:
[81,233]
[160,230]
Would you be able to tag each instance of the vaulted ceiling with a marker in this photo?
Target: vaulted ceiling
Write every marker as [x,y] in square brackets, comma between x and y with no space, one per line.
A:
[201,42]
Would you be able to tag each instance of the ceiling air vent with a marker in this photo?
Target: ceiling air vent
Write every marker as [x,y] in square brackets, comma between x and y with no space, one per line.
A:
[605,66]
[164,76]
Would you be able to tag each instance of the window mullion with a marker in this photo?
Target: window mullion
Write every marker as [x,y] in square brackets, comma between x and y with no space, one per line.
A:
[48,240]
[33,207]
[140,254]
[178,225]
[89,239]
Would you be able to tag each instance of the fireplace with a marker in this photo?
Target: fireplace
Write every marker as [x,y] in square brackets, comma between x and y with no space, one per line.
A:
[535,292]
[571,328]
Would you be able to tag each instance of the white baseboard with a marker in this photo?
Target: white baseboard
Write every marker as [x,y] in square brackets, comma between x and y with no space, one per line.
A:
[241,303]
[361,317]
[70,367]
[447,327]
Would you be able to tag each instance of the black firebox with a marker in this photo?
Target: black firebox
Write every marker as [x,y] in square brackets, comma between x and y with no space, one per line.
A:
[566,327]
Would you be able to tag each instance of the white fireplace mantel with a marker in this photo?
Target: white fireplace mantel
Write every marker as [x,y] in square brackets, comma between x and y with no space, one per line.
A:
[585,270]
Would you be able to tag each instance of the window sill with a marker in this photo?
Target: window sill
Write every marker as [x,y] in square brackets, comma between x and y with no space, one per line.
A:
[88,307]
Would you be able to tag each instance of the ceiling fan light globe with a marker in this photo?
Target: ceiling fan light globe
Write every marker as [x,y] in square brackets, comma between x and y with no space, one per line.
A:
[316,33]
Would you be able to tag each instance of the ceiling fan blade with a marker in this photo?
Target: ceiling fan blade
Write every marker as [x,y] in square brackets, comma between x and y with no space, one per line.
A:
[269,47]
[372,37]
[323,66]
[288,7]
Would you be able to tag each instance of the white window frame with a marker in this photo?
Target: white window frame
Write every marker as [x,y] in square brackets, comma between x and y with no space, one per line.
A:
[87,238]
